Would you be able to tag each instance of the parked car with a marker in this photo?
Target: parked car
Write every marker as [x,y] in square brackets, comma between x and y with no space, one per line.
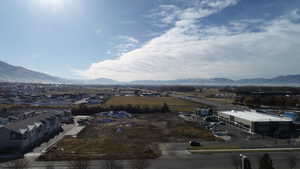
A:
[194,143]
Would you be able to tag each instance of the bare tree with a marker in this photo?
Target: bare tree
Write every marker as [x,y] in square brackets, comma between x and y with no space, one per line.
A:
[111,164]
[292,161]
[139,164]
[18,164]
[79,164]
[235,161]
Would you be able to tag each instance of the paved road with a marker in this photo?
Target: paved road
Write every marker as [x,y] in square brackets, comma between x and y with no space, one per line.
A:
[245,150]
[196,161]
[174,150]
[218,161]
[175,157]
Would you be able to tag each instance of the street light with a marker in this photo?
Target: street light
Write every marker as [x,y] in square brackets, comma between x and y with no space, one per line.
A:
[243,157]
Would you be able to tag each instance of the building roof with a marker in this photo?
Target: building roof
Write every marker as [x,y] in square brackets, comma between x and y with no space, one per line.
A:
[29,123]
[254,116]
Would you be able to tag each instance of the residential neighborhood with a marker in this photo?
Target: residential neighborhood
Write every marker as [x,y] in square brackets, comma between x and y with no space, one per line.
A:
[123,123]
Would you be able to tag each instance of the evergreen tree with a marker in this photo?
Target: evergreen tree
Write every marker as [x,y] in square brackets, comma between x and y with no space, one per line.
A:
[266,162]
[247,164]
[165,108]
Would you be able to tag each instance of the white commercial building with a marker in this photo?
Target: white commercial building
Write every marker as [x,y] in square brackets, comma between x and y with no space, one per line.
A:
[254,122]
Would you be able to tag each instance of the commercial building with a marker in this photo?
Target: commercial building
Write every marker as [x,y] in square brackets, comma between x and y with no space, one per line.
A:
[254,122]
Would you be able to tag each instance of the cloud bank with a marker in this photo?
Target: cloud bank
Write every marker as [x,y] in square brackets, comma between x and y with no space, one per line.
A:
[192,50]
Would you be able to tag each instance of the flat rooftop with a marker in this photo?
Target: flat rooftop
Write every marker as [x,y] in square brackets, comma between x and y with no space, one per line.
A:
[254,116]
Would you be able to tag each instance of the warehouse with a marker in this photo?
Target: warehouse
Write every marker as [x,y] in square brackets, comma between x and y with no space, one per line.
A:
[254,122]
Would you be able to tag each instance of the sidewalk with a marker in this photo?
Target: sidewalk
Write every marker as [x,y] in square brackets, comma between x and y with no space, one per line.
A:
[244,150]
[69,130]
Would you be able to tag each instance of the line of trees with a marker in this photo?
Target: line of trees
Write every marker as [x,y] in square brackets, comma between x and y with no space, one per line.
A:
[279,101]
[250,89]
[90,110]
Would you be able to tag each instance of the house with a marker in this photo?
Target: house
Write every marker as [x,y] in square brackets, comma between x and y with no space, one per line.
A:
[65,116]
[23,135]
[28,114]
[3,121]
[203,112]
[115,114]
[94,100]
[127,92]
[13,118]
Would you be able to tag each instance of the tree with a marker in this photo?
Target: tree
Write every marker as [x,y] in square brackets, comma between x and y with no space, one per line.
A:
[292,161]
[79,164]
[266,162]
[111,164]
[18,164]
[139,164]
[165,108]
[247,163]
[248,100]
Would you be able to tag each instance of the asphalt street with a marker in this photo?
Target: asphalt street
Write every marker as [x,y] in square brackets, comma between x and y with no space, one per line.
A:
[195,161]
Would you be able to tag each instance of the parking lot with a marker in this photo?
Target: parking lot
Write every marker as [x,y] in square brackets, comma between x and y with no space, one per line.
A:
[240,139]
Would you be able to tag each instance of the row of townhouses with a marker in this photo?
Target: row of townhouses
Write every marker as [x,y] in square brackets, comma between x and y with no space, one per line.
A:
[23,135]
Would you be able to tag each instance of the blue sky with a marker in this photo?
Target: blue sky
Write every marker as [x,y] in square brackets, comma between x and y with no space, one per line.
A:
[152,39]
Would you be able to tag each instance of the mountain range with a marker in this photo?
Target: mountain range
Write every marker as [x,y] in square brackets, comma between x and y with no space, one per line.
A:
[288,80]
[10,73]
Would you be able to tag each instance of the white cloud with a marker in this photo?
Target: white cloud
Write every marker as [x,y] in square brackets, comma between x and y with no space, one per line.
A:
[126,43]
[169,13]
[99,31]
[190,50]
[129,39]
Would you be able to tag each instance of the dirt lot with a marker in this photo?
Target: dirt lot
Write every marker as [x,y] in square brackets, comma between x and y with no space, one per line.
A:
[175,104]
[135,138]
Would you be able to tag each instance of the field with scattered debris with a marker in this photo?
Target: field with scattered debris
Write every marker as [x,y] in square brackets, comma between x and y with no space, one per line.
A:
[134,138]
[175,104]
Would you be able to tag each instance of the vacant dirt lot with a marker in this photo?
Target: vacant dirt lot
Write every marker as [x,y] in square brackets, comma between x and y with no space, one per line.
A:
[123,139]
[175,104]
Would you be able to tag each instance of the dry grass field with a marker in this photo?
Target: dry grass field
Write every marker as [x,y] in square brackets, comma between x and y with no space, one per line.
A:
[125,139]
[221,100]
[175,104]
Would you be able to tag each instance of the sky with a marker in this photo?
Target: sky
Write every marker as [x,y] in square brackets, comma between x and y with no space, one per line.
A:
[129,40]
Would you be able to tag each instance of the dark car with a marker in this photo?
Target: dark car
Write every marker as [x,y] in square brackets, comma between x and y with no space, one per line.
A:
[194,143]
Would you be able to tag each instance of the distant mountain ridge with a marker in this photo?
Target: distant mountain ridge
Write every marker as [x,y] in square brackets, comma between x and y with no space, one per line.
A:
[10,73]
[280,80]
